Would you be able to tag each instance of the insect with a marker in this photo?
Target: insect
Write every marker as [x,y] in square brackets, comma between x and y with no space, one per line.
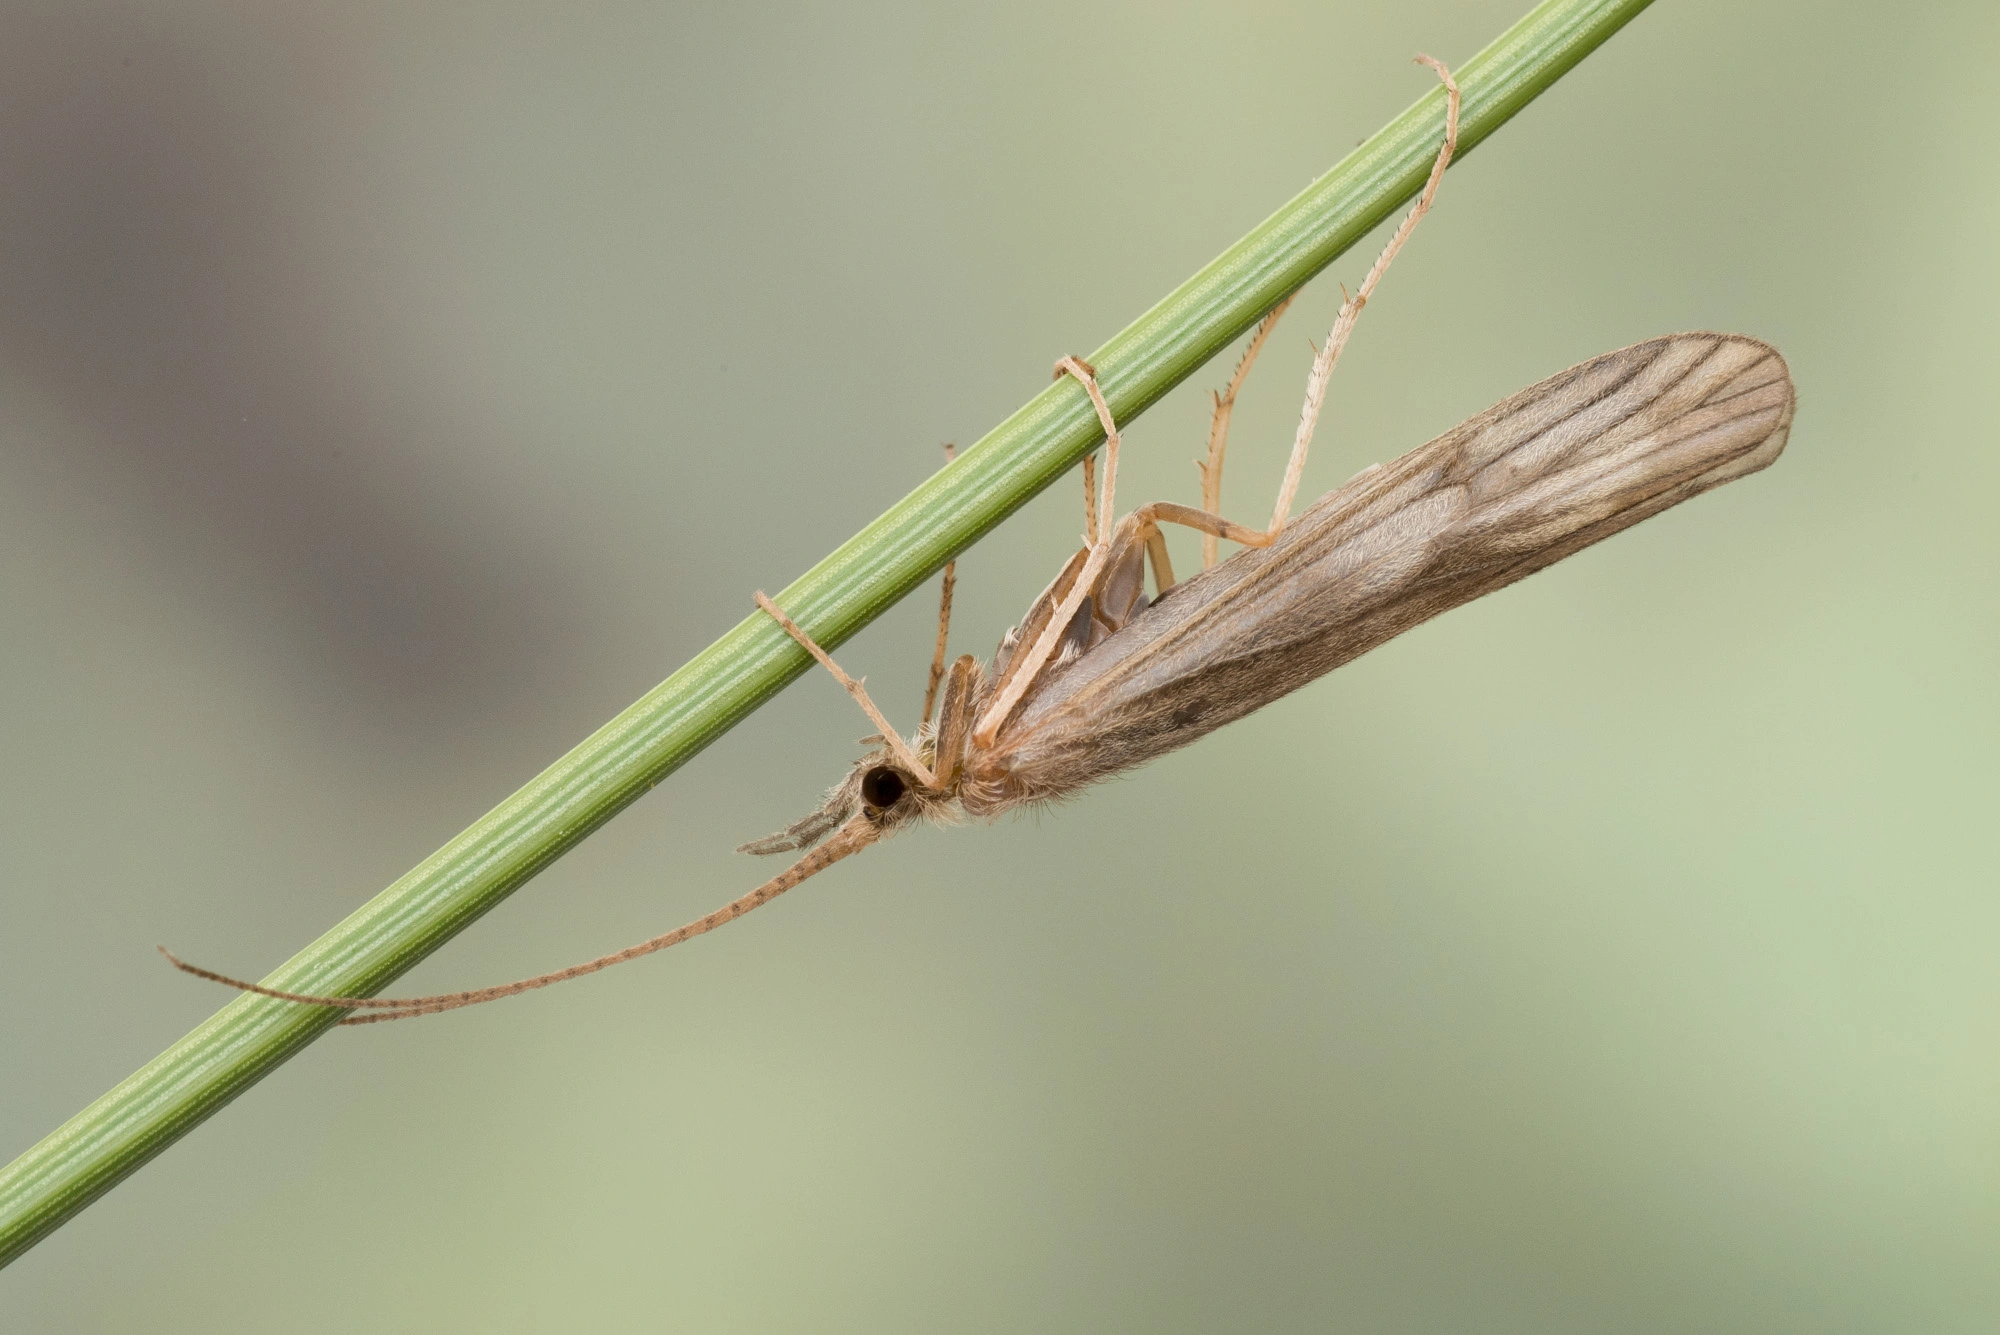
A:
[1098,677]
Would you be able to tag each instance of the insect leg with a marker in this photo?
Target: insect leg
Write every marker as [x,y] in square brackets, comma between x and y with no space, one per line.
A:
[1350,310]
[1156,552]
[1090,500]
[1149,517]
[1086,375]
[955,719]
[1218,430]
[944,623]
[908,758]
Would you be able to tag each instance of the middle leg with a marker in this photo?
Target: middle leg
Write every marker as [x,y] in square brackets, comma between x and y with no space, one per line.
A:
[1350,309]
[1099,524]
[1218,426]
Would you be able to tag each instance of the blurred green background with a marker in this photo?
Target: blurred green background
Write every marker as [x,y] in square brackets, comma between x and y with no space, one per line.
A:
[390,393]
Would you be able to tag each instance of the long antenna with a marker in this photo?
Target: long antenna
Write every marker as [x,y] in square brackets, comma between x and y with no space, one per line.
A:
[852,837]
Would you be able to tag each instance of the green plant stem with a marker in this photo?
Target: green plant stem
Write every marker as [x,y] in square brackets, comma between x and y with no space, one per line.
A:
[251,1036]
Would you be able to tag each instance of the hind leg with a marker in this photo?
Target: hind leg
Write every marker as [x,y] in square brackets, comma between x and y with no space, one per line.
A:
[1208,519]
[1350,310]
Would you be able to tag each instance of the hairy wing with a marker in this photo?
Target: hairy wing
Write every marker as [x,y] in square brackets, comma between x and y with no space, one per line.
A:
[1545,473]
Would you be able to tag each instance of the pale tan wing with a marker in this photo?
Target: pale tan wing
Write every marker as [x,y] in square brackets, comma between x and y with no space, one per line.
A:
[1545,473]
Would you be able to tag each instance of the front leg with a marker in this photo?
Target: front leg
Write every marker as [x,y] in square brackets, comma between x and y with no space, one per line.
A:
[908,758]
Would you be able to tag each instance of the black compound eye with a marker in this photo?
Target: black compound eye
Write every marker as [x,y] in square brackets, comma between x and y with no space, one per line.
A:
[882,787]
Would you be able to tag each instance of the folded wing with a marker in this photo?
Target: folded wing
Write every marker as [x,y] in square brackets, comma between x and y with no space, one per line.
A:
[1561,465]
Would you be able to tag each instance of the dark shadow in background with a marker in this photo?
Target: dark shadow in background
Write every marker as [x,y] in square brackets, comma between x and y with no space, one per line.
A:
[147,290]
